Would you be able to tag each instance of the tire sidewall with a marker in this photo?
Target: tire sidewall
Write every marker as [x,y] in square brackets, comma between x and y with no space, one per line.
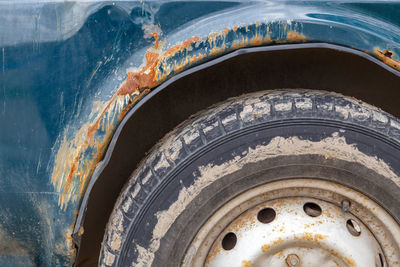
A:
[233,148]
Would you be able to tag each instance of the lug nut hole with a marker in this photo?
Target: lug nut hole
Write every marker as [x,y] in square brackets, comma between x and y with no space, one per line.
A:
[229,241]
[312,209]
[353,227]
[266,215]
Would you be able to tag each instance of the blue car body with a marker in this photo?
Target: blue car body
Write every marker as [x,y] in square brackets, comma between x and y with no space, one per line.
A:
[70,72]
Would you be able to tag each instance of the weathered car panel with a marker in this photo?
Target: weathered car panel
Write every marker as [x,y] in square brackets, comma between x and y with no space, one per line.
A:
[70,71]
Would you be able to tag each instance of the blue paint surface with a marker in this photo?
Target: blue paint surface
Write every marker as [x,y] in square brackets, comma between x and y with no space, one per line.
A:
[57,59]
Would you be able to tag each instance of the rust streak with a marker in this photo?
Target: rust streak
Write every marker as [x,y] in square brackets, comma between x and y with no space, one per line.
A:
[131,103]
[387,57]
[295,37]
[184,45]
[78,157]
[135,87]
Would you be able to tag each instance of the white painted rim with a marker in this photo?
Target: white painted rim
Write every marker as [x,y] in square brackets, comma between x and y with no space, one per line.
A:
[380,233]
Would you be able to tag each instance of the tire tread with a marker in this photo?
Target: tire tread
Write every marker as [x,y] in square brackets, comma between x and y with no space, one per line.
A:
[223,119]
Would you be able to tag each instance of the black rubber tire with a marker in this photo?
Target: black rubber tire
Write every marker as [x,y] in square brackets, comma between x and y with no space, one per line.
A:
[239,144]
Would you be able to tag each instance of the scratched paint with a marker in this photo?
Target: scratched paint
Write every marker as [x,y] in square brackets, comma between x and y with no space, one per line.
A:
[77,157]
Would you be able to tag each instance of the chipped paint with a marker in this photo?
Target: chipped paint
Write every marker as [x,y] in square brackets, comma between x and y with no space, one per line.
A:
[295,37]
[77,157]
[386,57]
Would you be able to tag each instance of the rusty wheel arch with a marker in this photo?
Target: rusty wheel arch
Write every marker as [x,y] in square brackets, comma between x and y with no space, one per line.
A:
[313,66]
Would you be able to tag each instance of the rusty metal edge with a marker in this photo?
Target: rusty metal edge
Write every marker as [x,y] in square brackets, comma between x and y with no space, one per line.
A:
[100,167]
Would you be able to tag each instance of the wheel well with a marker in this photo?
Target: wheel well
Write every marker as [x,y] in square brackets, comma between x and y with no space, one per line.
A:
[321,68]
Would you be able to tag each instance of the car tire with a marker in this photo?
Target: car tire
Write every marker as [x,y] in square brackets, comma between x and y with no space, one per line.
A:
[240,144]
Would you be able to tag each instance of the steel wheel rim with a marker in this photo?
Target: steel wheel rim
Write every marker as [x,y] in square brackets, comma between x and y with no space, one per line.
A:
[352,211]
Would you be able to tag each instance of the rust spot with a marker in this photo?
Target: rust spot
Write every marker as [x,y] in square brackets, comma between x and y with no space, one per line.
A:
[310,237]
[77,157]
[248,219]
[295,37]
[257,40]
[216,249]
[387,57]
[350,262]
[217,50]
[136,86]
[265,247]
[157,43]
[246,263]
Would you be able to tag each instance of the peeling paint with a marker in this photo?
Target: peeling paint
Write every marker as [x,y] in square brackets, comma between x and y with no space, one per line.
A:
[386,57]
[77,157]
